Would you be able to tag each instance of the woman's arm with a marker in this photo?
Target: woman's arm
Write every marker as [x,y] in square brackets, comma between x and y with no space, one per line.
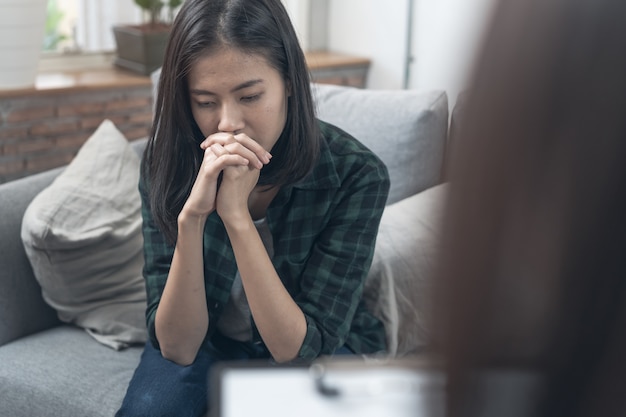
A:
[326,244]
[278,318]
[318,319]
[182,318]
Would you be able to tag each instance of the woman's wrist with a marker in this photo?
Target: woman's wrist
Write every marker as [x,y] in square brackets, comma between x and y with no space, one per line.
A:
[191,221]
[237,219]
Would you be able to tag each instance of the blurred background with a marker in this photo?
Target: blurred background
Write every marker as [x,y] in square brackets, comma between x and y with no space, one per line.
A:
[63,71]
[410,43]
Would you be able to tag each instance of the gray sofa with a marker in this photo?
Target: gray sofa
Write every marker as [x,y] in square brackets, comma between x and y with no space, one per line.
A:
[52,368]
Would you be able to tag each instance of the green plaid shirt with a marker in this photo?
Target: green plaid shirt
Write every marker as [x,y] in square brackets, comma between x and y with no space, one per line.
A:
[324,230]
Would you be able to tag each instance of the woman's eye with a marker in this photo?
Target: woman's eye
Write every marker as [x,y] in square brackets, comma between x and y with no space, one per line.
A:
[251,98]
[205,104]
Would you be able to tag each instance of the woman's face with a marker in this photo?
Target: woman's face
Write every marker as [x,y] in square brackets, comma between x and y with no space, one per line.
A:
[236,92]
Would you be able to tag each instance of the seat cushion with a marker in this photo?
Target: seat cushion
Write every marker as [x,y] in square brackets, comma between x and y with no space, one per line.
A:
[63,372]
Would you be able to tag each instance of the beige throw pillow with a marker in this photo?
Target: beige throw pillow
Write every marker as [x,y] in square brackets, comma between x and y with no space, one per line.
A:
[83,238]
[398,289]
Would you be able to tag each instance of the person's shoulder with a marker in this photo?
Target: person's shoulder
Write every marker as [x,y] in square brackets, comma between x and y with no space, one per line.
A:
[349,150]
[340,141]
[343,160]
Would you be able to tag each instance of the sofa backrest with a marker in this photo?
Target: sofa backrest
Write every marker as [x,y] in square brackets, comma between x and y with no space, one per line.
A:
[407,129]
[22,309]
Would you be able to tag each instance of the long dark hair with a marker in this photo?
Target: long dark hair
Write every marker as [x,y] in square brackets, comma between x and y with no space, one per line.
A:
[173,157]
[533,265]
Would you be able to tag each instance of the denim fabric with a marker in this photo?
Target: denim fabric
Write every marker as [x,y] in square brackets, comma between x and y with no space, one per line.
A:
[161,388]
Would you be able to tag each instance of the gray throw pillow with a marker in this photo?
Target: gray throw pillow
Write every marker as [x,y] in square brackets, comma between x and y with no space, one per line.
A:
[82,235]
[407,129]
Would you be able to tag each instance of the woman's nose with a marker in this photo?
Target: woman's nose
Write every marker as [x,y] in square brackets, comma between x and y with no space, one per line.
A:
[231,118]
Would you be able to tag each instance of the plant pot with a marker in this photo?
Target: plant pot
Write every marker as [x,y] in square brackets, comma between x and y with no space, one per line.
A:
[22,24]
[141,48]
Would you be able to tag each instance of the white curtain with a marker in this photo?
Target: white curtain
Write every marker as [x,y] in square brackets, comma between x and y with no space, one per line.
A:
[96,18]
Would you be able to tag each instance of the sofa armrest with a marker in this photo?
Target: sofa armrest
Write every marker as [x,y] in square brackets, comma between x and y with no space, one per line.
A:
[22,308]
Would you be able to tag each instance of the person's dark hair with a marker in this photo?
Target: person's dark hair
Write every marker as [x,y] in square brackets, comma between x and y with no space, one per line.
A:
[532,273]
[173,155]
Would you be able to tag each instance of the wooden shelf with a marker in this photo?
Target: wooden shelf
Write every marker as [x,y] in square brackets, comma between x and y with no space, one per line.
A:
[42,127]
[325,67]
[72,81]
[322,60]
[339,69]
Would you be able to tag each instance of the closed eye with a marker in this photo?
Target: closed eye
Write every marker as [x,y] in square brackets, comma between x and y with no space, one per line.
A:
[205,104]
[250,99]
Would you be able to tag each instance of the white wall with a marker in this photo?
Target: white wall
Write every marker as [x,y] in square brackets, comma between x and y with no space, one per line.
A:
[446,38]
[299,13]
[94,26]
[443,44]
[310,19]
[376,29]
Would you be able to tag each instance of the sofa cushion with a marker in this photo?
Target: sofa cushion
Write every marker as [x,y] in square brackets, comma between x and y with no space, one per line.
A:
[82,235]
[414,152]
[63,372]
[397,290]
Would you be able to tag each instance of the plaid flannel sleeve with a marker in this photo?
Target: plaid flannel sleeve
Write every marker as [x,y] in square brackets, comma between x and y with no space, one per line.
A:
[333,280]
[158,258]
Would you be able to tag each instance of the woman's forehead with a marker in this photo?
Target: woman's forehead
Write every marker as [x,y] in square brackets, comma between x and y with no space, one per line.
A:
[230,67]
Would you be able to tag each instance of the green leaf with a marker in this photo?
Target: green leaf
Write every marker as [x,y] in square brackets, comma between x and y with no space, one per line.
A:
[173,4]
[52,35]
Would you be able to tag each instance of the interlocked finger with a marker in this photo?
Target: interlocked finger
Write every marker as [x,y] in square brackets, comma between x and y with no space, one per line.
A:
[239,149]
[222,144]
[221,138]
[218,150]
[214,152]
[240,144]
[216,158]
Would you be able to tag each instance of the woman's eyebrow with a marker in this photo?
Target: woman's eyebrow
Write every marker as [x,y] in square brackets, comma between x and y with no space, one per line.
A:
[199,91]
[246,85]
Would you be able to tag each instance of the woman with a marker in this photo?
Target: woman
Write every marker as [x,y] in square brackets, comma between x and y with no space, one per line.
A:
[532,286]
[259,220]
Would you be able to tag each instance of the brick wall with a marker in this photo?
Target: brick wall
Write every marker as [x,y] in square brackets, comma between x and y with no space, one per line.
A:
[40,131]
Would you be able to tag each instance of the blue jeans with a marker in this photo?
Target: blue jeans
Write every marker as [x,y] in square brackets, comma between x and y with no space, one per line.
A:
[161,388]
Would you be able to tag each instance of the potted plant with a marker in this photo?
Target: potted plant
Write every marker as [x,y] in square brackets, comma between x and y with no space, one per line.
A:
[140,48]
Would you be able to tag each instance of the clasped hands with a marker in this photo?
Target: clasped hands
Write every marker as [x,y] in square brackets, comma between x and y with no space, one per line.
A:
[239,160]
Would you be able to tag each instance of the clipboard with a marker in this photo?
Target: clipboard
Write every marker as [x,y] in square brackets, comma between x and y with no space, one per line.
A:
[329,387]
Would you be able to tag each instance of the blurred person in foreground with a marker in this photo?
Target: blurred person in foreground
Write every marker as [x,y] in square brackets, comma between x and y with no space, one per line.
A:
[532,285]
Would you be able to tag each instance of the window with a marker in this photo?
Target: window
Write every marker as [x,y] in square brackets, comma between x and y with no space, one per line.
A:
[75,26]
[85,25]
[79,33]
